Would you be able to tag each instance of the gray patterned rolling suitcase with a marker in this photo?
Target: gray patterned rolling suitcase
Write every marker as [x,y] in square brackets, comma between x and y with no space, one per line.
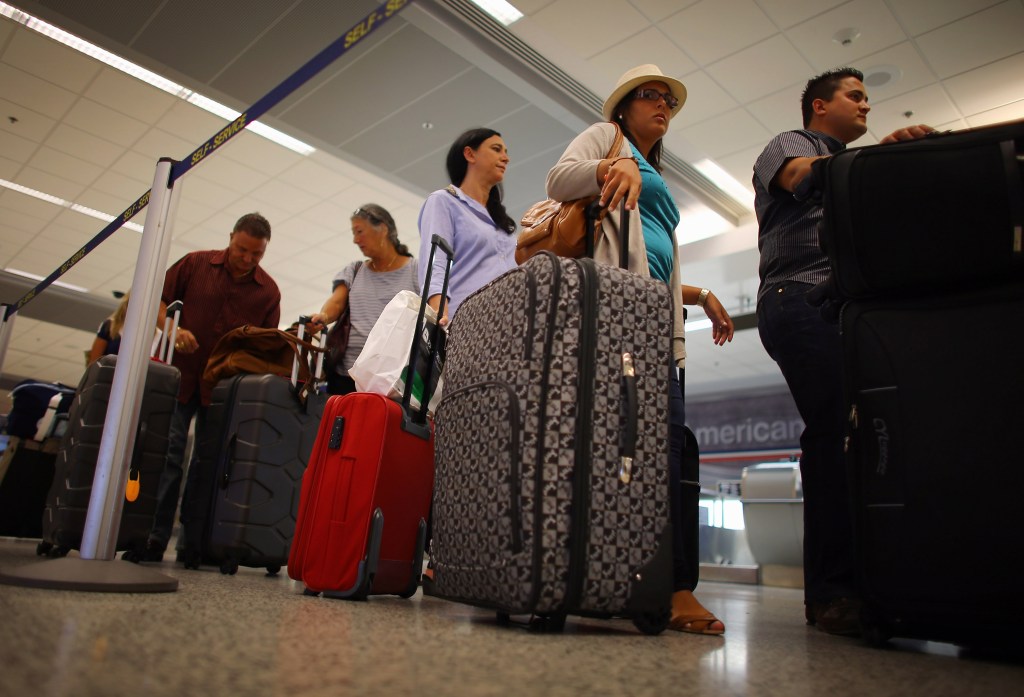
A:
[551,484]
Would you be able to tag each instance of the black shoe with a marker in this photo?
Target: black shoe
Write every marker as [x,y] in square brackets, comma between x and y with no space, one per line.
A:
[837,616]
[153,551]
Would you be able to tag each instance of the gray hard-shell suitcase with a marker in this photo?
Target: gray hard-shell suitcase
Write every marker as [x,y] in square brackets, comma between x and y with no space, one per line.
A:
[242,497]
[68,499]
[551,483]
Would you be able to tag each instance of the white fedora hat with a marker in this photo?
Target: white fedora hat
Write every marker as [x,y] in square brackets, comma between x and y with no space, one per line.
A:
[637,76]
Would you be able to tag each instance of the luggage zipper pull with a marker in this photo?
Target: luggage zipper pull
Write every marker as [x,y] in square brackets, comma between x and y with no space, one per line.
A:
[131,490]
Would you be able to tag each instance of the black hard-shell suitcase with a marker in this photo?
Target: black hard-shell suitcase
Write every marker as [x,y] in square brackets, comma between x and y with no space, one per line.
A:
[551,484]
[934,450]
[936,213]
[242,496]
[68,499]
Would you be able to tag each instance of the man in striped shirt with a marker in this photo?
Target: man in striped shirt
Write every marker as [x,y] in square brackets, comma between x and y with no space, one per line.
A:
[220,290]
[806,347]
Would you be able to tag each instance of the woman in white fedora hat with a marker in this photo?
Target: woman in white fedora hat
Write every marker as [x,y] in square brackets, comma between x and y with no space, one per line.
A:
[642,105]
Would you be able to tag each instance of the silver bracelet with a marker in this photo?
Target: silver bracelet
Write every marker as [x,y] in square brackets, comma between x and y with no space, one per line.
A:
[703,297]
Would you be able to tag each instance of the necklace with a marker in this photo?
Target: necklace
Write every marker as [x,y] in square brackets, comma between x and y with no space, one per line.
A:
[387,267]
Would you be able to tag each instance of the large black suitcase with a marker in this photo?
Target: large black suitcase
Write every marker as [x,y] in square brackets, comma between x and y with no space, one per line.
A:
[935,451]
[68,499]
[551,483]
[26,472]
[242,496]
[937,213]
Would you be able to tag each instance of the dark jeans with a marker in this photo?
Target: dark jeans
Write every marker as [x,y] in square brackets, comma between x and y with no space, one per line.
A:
[339,384]
[170,480]
[809,353]
[684,493]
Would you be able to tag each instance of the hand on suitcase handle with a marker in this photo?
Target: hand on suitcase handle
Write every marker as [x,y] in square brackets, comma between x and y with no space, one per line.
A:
[621,179]
[908,133]
[186,342]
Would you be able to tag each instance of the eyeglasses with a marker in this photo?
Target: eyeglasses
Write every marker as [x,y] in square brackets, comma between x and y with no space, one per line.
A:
[363,213]
[652,95]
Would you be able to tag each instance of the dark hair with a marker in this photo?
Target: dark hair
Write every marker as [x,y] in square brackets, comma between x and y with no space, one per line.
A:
[377,215]
[654,156]
[254,224]
[824,86]
[457,165]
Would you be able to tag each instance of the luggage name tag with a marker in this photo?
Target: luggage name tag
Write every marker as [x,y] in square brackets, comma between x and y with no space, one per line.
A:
[131,491]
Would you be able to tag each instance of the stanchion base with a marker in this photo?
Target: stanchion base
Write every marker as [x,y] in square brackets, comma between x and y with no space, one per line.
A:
[76,574]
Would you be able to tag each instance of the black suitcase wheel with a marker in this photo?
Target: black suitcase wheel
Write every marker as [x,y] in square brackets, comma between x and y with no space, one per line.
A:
[43,549]
[310,591]
[652,622]
[191,558]
[228,566]
[504,619]
[547,623]
[273,570]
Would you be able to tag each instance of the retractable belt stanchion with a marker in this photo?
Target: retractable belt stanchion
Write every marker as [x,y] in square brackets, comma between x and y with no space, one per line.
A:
[96,569]
[91,571]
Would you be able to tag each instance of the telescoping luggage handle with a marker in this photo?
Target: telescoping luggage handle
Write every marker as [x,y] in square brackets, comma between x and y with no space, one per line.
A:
[165,347]
[630,431]
[417,423]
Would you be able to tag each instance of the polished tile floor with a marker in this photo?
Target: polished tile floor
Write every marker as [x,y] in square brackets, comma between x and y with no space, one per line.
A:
[255,635]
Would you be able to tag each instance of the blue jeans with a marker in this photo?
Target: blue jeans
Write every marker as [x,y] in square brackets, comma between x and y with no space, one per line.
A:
[169,490]
[809,353]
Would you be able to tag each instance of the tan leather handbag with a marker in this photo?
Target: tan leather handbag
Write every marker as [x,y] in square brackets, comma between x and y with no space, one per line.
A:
[559,227]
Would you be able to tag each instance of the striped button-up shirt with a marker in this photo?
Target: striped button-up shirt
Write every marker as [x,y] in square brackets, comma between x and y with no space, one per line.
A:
[788,228]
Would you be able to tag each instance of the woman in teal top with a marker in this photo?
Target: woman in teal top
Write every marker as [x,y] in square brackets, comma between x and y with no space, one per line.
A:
[642,104]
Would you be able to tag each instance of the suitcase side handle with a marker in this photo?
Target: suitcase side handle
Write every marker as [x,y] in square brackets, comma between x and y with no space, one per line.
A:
[629,432]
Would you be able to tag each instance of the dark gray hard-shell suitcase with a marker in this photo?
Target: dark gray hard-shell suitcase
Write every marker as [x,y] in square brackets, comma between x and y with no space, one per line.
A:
[551,484]
[242,497]
[68,499]
[934,450]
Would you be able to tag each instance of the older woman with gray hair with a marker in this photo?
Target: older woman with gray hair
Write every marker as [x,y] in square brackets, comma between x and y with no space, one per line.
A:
[365,288]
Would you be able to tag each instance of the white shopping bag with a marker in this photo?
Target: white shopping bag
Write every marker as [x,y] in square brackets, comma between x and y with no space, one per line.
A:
[381,365]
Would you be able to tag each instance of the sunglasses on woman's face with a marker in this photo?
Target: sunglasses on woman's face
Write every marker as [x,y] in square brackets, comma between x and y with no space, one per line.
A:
[652,95]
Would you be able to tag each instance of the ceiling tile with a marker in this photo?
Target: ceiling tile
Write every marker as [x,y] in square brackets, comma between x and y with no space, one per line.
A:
[735,75]
[704,99]
[876,24]
[125,189]
[65,166]
[129,95]
[256,152]
[158,143]
[786,13]
[656,10]
[741,164]
[8,168]
[780,111]
[920,16]
[315,178]
[989,87]
[84,146]
[1009,112]
[30,125]
[982,38]
[728,133]
[231,174]
[99,120]
[713,29]
[587,32]
[49,60]
[912,71]
[15,147]
[619,58]
[50,183]
[290,198]
[190,123]
[25,89]
[930,105]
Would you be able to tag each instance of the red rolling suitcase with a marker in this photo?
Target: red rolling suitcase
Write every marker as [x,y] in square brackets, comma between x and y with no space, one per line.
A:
[366,494]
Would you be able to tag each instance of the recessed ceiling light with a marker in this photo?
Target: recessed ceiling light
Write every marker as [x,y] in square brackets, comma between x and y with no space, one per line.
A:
[427,125]
[882,75]
[845,37]
[504,12]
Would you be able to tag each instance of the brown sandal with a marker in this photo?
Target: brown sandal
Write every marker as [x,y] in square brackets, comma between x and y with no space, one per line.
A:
[688,615]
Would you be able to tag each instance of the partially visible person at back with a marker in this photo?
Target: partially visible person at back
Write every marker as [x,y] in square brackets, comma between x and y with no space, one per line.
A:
[469,214]
[365,288]
[108,336]
[220,290]
[806,347]
[642,105]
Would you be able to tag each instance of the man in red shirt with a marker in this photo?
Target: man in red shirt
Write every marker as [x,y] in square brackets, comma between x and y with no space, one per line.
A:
[220,290]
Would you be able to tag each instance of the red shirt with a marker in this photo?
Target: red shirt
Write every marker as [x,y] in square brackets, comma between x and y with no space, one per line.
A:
[214,303]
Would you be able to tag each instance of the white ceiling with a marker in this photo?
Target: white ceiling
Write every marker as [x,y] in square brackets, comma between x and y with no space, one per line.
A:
[90,134]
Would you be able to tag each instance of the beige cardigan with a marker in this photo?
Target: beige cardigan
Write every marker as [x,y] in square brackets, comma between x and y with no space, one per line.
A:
[575,176]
